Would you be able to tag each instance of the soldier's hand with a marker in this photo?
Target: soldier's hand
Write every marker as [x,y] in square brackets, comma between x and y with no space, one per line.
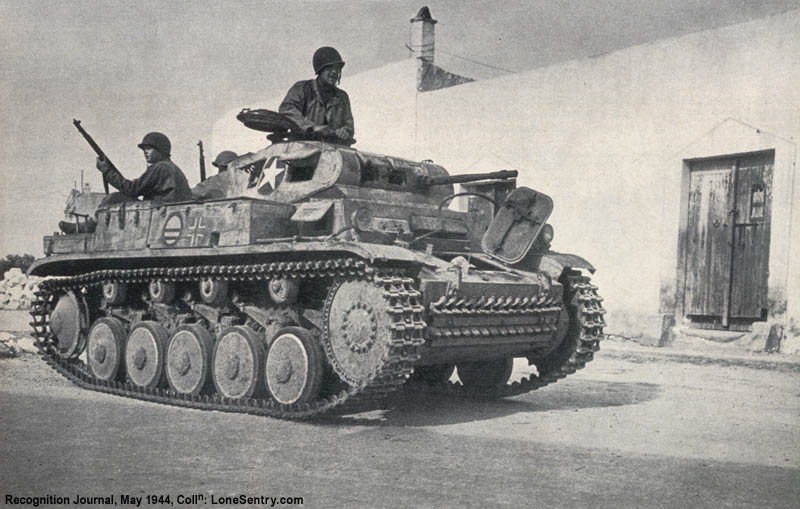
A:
[343,133]
[323,130]
[103,165]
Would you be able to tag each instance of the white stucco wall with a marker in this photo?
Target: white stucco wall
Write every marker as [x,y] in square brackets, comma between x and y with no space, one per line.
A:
[602,136]
[599,135]
[596,134]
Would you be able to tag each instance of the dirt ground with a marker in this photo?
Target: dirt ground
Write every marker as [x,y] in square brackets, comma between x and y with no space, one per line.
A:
[637,428]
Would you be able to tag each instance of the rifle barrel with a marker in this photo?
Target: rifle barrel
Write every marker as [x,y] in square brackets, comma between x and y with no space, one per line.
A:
[95,147]
[202,161]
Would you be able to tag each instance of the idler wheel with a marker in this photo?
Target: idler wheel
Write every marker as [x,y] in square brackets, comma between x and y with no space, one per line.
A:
[283,290]
[105,347]
[144,354]
[214,292]
[188,359]
[68,322]
[115,293]
[162,292]
[236,363]
[485,375]
[358,330]
[294,366]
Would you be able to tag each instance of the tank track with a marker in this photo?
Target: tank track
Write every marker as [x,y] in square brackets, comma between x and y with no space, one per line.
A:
[588,312]
[402,297]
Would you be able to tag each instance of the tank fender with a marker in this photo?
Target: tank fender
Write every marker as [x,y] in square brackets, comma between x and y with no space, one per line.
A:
[555,263]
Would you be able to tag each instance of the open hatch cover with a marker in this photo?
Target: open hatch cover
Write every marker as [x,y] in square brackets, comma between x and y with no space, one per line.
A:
[516,225]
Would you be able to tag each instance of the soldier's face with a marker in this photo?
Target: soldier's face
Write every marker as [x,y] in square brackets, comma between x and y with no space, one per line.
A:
[331,75]
[151,154]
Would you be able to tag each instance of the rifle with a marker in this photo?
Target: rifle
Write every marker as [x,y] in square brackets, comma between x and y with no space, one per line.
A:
[202,161]
[95,147]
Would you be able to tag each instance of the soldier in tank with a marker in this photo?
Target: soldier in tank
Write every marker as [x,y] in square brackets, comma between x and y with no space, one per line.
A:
[223,158]
[318,105]
[163,181]
[216,186]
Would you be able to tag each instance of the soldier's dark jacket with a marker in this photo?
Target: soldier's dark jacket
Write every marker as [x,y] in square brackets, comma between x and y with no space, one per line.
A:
[304,105]
[162,181]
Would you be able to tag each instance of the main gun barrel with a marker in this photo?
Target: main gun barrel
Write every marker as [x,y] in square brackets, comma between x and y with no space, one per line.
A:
[461,179]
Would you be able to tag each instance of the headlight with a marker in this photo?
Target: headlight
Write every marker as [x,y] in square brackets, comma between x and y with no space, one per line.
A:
[547,233]
[361,219]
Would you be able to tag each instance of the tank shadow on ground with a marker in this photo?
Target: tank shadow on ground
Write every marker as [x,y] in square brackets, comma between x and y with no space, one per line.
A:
[415,409]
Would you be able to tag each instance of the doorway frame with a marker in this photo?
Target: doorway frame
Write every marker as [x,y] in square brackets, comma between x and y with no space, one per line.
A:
[732,137]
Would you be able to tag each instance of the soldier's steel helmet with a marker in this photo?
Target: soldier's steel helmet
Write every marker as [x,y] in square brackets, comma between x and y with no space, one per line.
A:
[224,157]
[158,141]
[326,56]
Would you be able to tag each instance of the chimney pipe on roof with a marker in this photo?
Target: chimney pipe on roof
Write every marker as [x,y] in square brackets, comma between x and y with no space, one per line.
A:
[422,36]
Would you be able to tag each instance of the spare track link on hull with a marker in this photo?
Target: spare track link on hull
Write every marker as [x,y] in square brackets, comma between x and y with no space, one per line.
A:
[397,366]
[587,306]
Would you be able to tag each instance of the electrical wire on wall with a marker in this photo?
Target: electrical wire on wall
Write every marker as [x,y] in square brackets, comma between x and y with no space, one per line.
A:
[420,49]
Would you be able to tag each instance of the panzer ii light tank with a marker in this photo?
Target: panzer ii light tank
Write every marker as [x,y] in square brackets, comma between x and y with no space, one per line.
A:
[319,279]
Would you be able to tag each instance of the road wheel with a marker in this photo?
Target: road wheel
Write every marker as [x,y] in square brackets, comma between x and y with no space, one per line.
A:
[188,359]
[105,347]
[236,363]
[144,354]
[485,375]
[294,366]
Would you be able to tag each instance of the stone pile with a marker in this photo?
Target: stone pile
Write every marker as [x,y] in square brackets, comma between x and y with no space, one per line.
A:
[16,289]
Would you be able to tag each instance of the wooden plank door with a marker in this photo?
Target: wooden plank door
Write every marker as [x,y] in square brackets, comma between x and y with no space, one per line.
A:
[709,236]
[751,236]
[727,239]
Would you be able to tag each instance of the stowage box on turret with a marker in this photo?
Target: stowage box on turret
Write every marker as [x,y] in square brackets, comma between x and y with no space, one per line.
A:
[318,279]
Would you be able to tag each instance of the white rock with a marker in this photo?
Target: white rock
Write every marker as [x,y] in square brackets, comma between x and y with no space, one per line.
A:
[15,277]
[25,343]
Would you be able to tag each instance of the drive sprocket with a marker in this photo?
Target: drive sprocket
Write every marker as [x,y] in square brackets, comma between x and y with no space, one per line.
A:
[365,323]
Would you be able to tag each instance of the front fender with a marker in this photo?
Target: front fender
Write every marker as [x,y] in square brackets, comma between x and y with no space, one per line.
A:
[555,263]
